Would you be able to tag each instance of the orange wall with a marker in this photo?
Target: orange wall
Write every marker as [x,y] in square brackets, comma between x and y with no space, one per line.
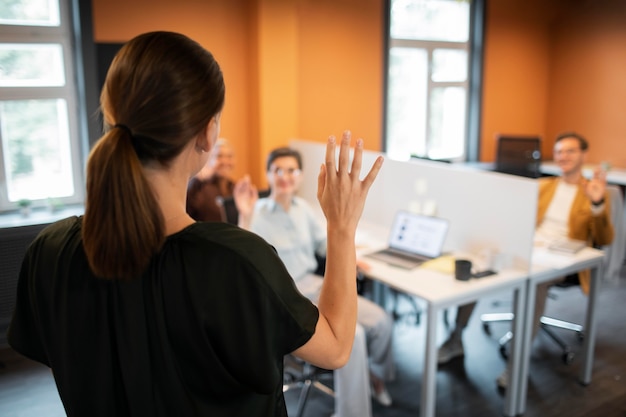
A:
[223,27]
[556,66]
[293,68]
[515,79]
[340,69]
[309,68]
[588,92]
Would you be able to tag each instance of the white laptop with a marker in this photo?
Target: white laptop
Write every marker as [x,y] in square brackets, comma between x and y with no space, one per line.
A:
[414,239]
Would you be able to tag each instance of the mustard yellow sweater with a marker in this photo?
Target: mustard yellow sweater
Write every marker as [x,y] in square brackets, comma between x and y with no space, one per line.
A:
[582,224]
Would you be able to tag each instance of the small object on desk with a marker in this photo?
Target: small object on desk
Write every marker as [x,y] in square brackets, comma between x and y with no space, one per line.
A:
[462,269]
[443,263]
[484,273]
[567,246]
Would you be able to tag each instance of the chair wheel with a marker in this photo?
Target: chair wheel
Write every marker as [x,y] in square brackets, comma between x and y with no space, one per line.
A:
[487,328]
[568,357]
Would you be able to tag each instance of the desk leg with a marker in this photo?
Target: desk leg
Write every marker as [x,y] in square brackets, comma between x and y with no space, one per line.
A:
[590,326]
[528,315]
[429,382]
[512,395]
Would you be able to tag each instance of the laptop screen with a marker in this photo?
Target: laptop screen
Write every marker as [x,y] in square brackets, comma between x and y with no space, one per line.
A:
[415,233]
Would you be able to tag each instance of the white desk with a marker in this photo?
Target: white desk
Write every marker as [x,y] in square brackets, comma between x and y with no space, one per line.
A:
[548,266]
[615,176]
[441,291]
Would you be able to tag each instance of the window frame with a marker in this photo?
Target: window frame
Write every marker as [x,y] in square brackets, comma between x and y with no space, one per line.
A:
[472,85]
[62,35]
[431,85]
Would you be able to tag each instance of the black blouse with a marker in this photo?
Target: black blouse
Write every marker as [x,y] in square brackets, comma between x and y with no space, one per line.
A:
[202,333]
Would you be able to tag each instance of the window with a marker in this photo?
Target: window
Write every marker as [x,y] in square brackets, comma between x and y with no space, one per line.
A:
[427,79]
[40,149]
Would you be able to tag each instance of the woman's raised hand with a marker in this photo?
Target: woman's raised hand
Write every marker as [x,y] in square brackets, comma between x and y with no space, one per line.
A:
[340,191]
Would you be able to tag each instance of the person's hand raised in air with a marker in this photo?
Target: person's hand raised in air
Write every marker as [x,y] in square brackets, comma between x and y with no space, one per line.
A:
[245,195]
[341,194]
[596,187]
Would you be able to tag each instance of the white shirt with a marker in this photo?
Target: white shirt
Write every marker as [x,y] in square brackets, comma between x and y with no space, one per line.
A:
[297,235]
[554,226]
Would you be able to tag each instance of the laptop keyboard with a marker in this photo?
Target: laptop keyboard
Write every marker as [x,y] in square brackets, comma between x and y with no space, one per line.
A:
[394,254]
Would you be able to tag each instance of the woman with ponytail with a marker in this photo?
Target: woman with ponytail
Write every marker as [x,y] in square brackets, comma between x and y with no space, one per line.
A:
[141,311]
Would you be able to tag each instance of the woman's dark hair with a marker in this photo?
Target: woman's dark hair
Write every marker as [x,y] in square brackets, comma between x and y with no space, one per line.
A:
[280,153]
[161,91]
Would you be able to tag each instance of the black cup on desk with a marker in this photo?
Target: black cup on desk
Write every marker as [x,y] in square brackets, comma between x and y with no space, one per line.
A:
[462,269]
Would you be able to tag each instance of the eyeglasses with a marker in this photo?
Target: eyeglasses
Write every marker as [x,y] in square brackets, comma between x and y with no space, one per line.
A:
[567,151]
[281,172]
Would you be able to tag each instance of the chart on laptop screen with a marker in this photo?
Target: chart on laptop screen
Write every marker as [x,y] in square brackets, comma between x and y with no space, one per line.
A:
[422,235]
[413,239]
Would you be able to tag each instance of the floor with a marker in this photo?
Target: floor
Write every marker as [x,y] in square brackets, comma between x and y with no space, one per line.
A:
[465,387]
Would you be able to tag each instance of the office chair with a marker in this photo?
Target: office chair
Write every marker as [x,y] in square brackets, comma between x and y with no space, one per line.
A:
[229,208]
[416,310]
[615,253]
[547,325]
[518,155]
[300,374]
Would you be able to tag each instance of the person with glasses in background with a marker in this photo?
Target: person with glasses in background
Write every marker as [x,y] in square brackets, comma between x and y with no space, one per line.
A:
[570,206]
[289,224]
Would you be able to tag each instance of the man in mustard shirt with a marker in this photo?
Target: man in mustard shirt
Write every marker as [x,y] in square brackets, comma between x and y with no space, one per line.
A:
[569,206]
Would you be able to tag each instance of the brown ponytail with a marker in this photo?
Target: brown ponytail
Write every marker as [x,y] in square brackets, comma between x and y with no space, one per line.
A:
[123,226]
[161,91]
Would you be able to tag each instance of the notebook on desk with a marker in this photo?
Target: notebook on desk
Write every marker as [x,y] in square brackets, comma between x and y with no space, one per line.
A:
[414,239]
[570,246]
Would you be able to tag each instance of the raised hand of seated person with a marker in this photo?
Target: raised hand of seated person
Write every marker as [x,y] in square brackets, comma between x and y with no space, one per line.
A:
[245,195]
[596,187]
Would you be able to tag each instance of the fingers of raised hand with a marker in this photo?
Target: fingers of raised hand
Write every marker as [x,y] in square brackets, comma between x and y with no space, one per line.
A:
[357,159]
[321,182]
[344,152]
[335,169]
[373,173]
[331,144]
[599,176]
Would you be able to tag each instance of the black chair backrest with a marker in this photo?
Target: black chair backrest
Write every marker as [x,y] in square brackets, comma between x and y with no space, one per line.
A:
[519,155]
[230,213]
